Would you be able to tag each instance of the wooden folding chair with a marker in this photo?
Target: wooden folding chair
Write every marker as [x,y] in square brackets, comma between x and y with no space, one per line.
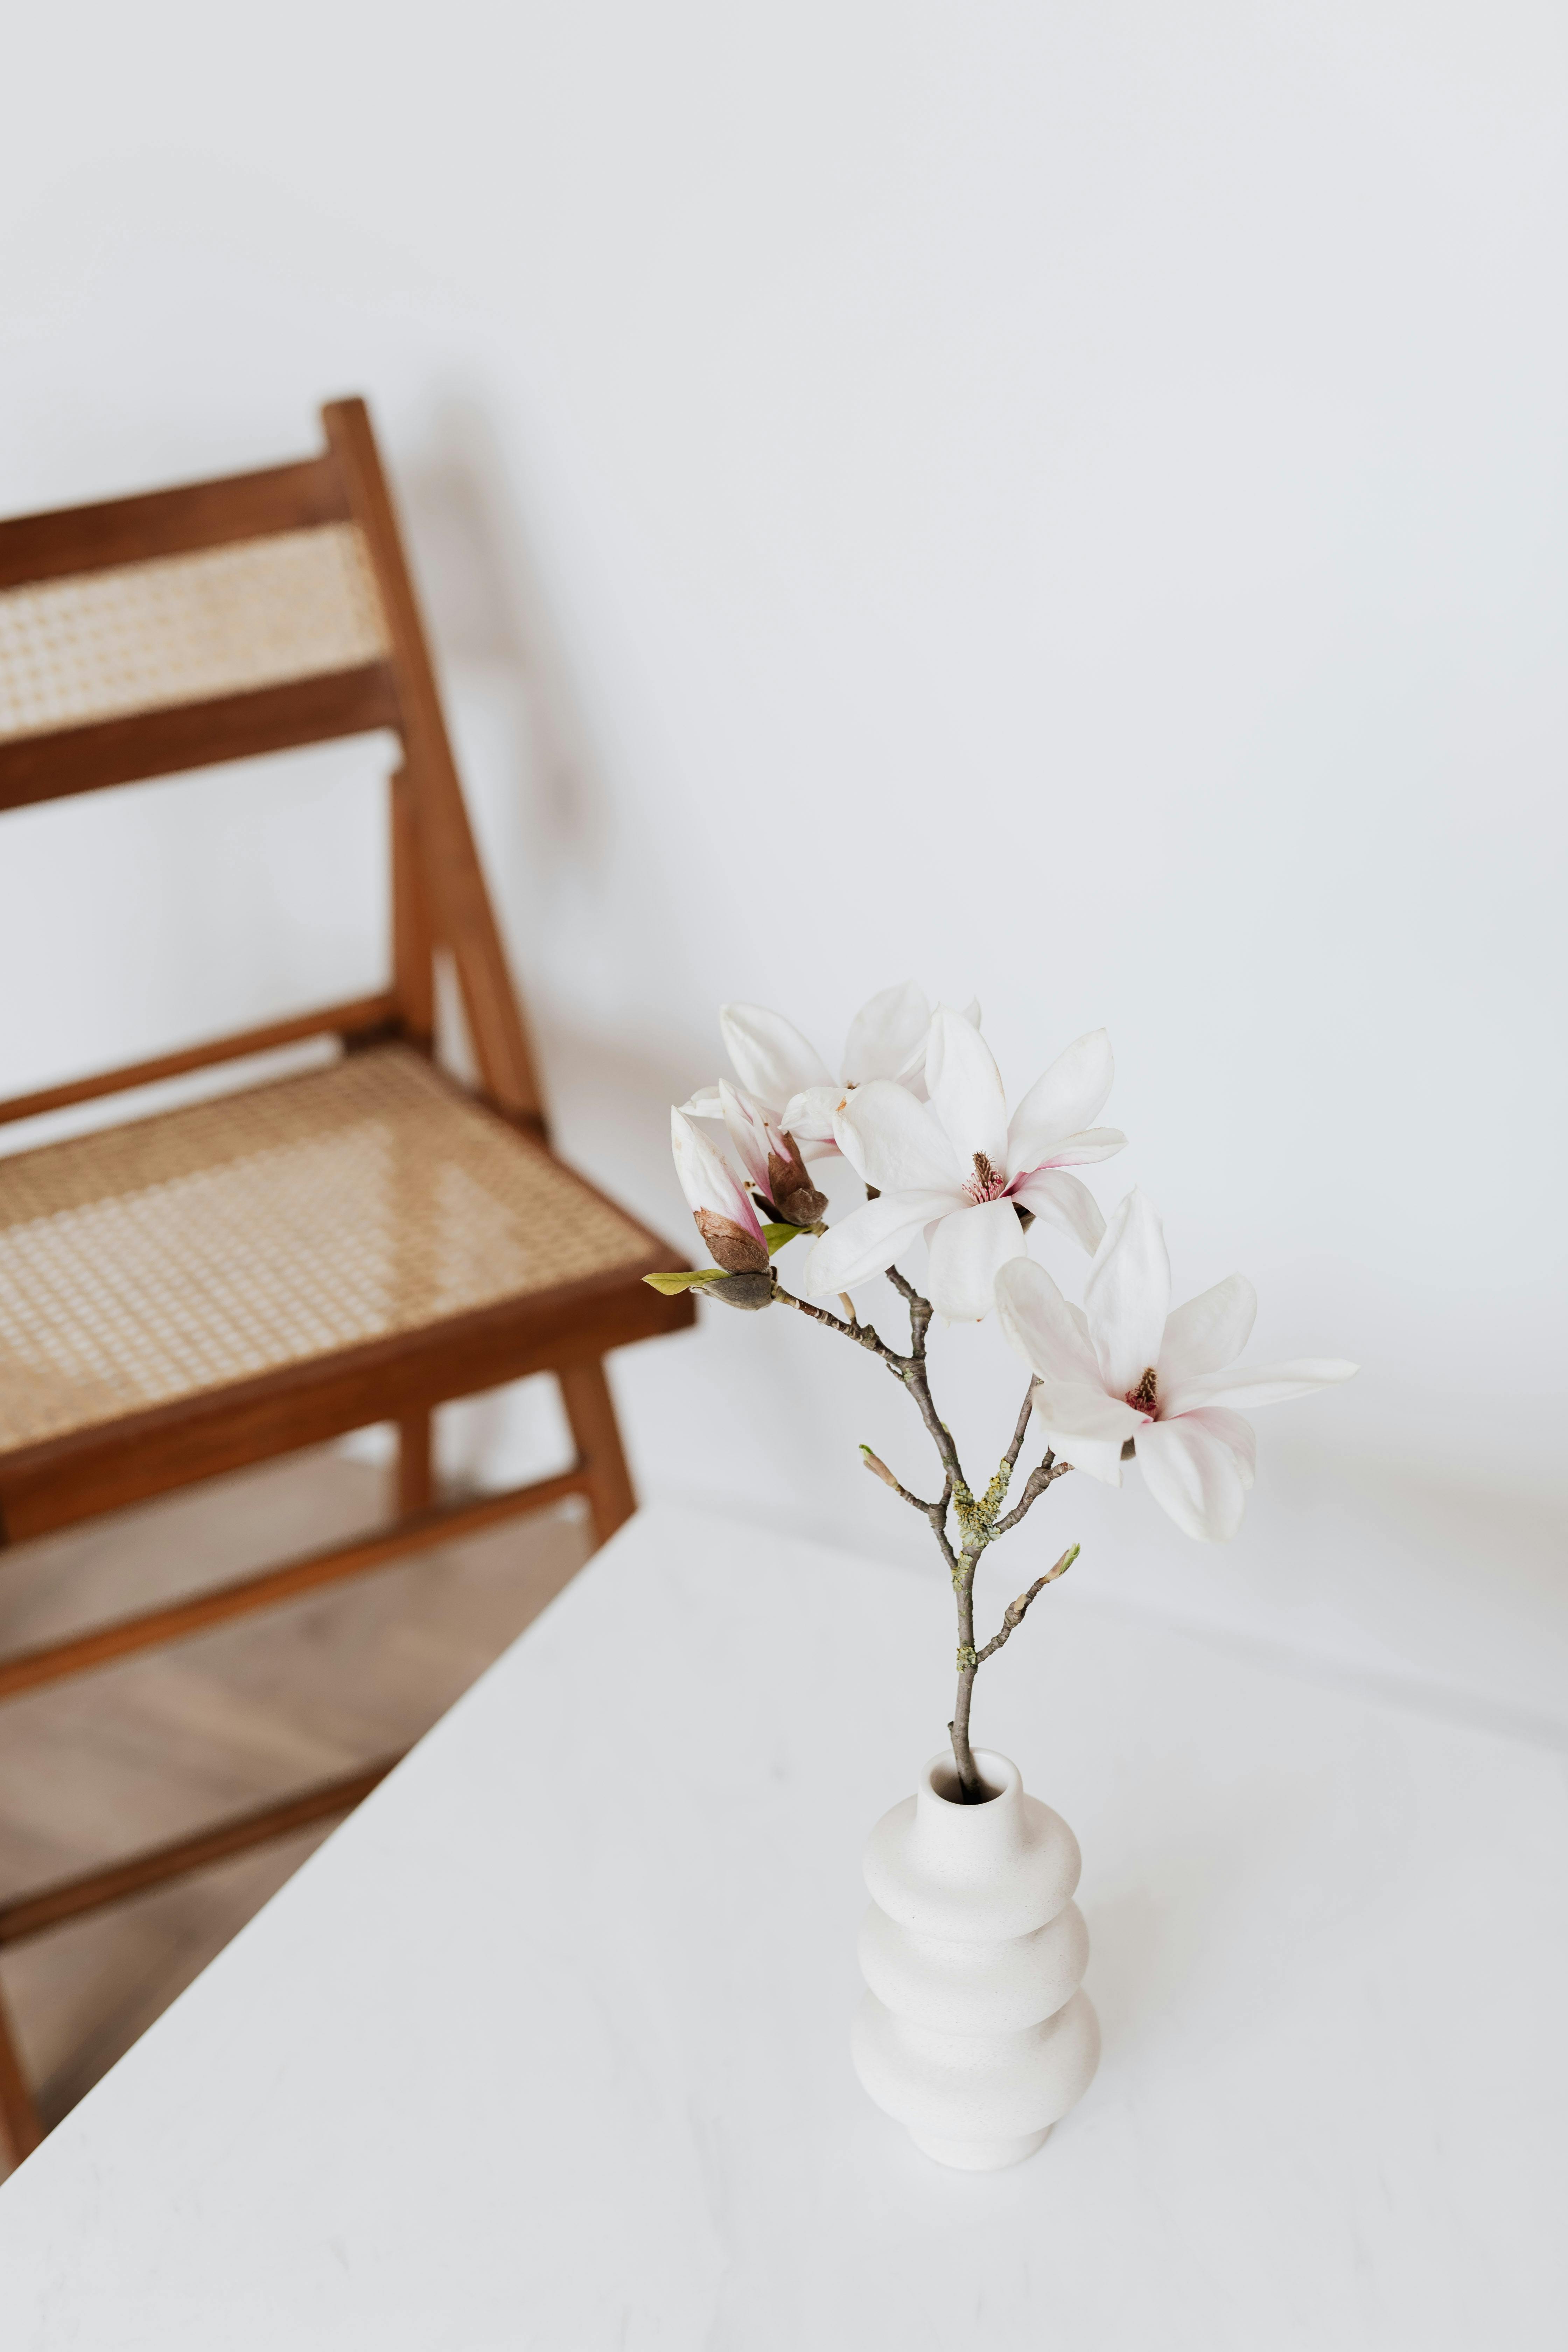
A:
[250,1273]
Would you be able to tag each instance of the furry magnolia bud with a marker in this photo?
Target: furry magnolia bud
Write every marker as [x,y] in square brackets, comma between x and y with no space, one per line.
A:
[791,1190]
[747,1290]
[730,1244]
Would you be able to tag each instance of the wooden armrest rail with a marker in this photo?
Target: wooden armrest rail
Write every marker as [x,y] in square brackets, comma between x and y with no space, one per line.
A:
[363,1016]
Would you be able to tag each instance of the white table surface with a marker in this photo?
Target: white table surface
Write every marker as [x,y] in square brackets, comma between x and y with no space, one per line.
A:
[546,2047]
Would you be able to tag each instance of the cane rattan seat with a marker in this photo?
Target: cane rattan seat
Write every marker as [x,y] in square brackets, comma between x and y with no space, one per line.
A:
[167,1258]
[270,1268]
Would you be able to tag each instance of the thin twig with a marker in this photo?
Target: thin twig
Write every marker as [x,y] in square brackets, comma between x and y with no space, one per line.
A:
[863,1335]
[1046,1475]
[920,1312]
[1010,1459]
[936,1513]
[1013,1615]
[879,1469]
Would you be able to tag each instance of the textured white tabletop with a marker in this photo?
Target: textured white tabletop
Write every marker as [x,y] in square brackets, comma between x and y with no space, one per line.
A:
[546,2048]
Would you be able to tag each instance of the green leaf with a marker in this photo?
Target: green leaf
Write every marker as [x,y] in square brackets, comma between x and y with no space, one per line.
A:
[776,1236]
[670,1283]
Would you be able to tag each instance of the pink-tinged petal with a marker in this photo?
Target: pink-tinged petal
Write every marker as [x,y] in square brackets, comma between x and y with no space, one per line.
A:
[968,1249]
[1232,1431]
[1080,1408]
[1097,1457]
[965,1089]
[1064,1202]
[748,1131]
[1070,1097]
[868,1241]
[704,1104]
[1266,1384]
[894,1142]
[1128,1292]
[888,1037]
[1208,1332]
[707,1179]
[1037,1320]
[1082,1150]
[1101,1462]
[1195,1476]
[772,1059]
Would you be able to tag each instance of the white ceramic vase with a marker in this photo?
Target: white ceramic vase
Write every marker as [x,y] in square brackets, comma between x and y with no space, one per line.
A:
[975,2033]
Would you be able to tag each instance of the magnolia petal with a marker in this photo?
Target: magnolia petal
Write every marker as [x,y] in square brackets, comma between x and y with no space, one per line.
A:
[1209,1332]
[704,1104]
[968,1249]
[1065,1202]
[772,1059]
[1232,1431]
[1128,1292]
[808,1116]
[1082,1150]
[887,1037]
[1195,1476]
[1266,1384]
[748,1131]
[1080,1408]
[868,1241]
[1071,1096]
[972,1013]
[966,1092]
[707,1179]
[895,1142]
[1037,1320]
[1096,1457]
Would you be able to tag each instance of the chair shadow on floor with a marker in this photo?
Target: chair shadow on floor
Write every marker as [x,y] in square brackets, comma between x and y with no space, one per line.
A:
[154,1747]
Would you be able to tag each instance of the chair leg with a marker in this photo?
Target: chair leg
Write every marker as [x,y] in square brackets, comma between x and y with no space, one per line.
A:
[20,2130]
[586,1393]
[416,1485]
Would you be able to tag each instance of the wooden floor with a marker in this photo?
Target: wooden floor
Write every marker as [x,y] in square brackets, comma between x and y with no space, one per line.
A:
[161,1744]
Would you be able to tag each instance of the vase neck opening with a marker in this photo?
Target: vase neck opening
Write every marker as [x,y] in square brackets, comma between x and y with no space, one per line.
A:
[971,1837]
[945,1784]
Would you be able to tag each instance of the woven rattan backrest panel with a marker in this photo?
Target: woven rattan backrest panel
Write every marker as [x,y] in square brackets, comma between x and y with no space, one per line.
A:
[155,1261]
[186,628]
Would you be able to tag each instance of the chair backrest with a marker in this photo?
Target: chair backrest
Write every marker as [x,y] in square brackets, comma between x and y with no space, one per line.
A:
[227,618]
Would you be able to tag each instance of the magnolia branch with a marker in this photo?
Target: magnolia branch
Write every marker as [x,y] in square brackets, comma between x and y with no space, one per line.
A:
[920,1311]
[981,1520]
[1038,1479]
[935,1512]
[1013,1615]
[862,1334]
[1010,1459]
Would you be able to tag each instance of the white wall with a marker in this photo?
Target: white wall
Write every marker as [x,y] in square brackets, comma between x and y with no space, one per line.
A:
[1066,501]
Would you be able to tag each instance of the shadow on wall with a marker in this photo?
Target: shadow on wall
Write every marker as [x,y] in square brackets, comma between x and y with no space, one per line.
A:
[489,611]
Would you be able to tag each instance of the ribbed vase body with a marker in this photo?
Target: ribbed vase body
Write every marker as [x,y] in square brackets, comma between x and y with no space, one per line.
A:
[975,2033]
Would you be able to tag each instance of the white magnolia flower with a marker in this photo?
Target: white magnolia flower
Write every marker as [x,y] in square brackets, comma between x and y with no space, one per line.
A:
[720,1209]
[785,1079]
[957,1168]
[1122,1368]
[772,1164]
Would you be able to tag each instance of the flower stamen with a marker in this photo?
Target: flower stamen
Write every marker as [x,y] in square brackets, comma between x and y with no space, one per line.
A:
[984,1184]
[1141,1398]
